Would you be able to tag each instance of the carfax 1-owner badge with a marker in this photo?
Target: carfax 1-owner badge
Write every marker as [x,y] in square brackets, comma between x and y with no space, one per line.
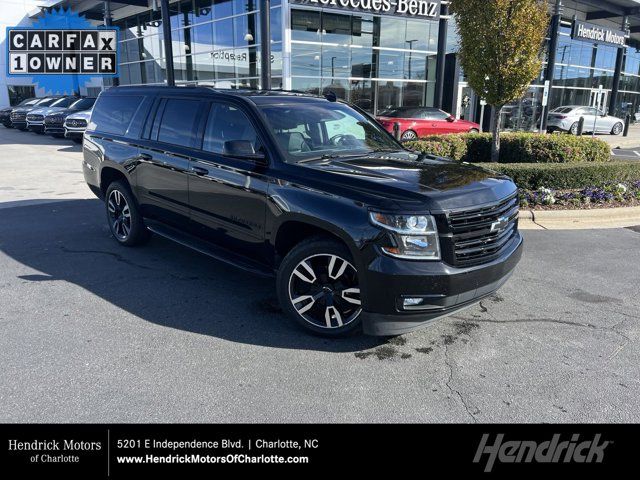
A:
[62,51]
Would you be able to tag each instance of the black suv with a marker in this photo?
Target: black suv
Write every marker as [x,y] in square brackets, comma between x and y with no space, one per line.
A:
[357,230]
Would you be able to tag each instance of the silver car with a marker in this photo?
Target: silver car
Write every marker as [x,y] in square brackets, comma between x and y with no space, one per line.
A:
[566,119]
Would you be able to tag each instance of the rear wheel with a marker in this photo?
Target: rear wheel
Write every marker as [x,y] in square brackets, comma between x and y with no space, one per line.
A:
[617,129]
[409,135]
[318,287]
[474,130]
[123,216]
[574,129]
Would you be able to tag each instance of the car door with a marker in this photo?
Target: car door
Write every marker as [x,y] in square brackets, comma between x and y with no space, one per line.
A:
[589,115]
[227,186]
[163,160]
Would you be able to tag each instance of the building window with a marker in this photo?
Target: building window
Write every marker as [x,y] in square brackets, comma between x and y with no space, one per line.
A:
[18,93]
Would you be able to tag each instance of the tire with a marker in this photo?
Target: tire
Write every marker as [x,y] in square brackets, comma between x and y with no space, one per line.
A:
[617,129]
[408,135]
[474,130]
[123,215]
[321,273]
[573,130]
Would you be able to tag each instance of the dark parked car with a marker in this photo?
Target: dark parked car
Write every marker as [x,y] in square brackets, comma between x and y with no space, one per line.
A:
[54,122]
[19,114]
[357,230]
[5,113]
[35,118]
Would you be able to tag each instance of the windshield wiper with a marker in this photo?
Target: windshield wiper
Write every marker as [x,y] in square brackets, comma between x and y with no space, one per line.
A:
[330,156]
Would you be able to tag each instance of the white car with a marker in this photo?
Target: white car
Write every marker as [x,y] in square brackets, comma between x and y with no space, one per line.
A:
[75,125]
[567,118]
[35,118]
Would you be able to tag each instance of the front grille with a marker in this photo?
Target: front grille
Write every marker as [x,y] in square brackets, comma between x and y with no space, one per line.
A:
[479,235]
[32,117]
[18,116]
[76,123]
[53,120]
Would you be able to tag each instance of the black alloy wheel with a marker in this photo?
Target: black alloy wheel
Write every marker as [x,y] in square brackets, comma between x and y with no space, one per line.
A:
[318,287]
[125,221]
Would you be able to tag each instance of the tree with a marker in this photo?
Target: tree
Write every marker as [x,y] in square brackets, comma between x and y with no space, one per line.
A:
[500,50]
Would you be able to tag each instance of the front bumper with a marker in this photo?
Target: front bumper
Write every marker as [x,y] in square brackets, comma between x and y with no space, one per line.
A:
[447,289]
[53,129]
[35,126]
[68,133]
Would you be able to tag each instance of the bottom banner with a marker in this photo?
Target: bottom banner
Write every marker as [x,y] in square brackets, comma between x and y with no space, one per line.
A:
[119,451]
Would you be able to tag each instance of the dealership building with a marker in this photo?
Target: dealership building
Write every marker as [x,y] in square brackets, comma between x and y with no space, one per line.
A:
[374,53]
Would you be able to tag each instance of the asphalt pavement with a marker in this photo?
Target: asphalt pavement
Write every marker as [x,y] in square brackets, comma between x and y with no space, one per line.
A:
[94,332]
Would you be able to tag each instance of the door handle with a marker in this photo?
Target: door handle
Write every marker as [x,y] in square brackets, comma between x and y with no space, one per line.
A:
[199,170]
[145,157]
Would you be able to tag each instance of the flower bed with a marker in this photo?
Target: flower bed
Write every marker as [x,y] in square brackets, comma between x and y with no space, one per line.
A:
[607,196]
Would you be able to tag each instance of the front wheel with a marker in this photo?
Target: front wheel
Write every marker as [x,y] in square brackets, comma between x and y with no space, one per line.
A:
[123,216]
[318,287]
[409,135]
[617,129]
[474,130]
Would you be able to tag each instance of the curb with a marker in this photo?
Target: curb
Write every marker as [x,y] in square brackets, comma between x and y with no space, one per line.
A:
[579,219]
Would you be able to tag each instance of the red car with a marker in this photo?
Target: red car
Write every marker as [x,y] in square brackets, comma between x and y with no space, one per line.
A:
[418,122]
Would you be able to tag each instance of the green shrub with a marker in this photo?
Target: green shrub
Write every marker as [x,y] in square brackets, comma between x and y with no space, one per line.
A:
[522,147]
[450,146]
[567,175]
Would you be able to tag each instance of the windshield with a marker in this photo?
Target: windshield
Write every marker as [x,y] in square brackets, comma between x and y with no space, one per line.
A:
[63,102]
[45,102]
[324,129]
[82,104]
[28,101]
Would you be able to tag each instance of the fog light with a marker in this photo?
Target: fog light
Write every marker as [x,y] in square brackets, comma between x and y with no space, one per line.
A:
[412,301]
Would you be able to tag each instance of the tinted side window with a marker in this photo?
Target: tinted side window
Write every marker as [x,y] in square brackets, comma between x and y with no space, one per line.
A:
[226,124]
[113,114]
[178,123]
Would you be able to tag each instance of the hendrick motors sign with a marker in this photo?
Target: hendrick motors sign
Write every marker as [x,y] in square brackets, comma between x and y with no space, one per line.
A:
[598,34]
[405,8]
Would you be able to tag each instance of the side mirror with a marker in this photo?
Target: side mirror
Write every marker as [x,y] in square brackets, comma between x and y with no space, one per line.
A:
[243,149]
[451,118]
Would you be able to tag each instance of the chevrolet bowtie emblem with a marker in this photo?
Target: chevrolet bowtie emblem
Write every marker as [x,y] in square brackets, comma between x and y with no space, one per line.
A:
[500,224]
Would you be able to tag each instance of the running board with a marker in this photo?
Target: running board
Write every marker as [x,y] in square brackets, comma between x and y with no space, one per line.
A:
[206,248]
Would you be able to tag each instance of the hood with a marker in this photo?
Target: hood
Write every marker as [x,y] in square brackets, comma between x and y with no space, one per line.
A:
[6,110]
[26,108]
[83,115]
[46,110]
[415,181]
[65,112]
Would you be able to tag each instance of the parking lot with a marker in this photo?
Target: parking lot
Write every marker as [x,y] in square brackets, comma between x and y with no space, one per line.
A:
[94,332]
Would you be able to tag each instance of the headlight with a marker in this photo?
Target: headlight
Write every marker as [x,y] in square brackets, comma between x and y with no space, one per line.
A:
[416,236]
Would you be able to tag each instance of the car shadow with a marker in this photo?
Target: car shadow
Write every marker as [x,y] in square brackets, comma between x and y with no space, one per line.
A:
[162,282]
[13,136]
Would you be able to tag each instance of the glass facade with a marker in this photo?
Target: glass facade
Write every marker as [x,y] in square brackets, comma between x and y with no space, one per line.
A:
[214,42]
[373,61]
[581,68]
